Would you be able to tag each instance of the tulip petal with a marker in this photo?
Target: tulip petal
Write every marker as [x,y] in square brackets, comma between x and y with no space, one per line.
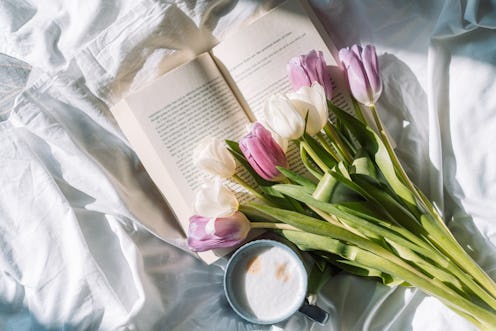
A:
[215,200]
[263,153]
[371,67]
[235,227]
[311,101]
[297,75]
[356,74]
[211,156]
[345,55]
[283,118]
[325,79]
[311,65]
[363,74]
[307,69]
[228,232]
[357,50]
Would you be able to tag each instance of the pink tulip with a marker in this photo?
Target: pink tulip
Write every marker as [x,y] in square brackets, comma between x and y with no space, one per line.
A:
[306,69]
[363,73]
[207,233]
[263,153]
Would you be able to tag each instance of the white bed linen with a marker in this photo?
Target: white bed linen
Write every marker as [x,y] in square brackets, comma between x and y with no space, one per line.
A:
[85,242]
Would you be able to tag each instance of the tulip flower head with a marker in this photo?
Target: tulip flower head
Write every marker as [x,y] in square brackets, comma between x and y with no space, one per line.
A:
[362,70]
[213,199]
[205,233]
[283,142]
[312,101]
[304,70]
[212,156]
[263,153]
[282,117]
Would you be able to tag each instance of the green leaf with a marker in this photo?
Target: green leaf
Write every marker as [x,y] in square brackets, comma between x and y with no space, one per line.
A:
[255,215]
[365,194]
[365,214]
[320,227]
[269,190]
[309,241]
[359,270]
[356,259]
[371,190]
[308,163]
[343,131]
[372,143]
[363,209]
[319,150]
[298,179]
[433,270]
[393,266]
[324,189]
[341,168]
[374,228]
[397,212]
[363,165]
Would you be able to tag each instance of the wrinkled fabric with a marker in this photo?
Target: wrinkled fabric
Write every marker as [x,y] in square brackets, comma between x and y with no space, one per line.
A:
[87,242]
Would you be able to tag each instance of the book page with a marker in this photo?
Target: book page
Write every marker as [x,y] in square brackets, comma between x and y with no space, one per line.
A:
[166,120]
[254,59]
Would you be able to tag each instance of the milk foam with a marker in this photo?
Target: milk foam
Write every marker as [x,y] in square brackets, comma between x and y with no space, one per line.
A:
[272,286]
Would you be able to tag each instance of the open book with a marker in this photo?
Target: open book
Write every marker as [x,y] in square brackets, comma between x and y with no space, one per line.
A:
[218,93]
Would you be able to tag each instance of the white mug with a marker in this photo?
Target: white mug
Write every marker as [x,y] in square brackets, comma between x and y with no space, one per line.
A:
[266,282]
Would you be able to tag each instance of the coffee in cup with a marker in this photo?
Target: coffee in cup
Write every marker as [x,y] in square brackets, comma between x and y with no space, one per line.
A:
[265,282]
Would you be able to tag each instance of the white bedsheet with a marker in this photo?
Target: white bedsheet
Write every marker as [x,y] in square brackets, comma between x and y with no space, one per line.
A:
[85,242]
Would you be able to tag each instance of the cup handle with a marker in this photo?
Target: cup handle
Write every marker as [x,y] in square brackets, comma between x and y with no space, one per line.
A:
[314,312]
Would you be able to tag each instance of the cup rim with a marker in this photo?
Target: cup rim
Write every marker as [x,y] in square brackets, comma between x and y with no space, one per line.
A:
[234,259]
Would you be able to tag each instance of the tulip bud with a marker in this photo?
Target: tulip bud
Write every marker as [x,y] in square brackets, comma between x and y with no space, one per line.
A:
[304,70]
[311,101]
[263,153]
[362,70]
[212,156]
[283,142]
[214,200]
[206,233]
[282,118]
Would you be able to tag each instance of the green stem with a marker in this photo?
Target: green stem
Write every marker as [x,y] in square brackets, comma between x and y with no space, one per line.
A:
[374,255]
[339,143]
[306,162]
[468,317]
[314,156]
[334,220]
[358,110]
[380,259]
[271,225]
[448,243]
[397,165]
[250,189]
[409,241]
[398,267]
[456,252]
[444,241]
[327,146]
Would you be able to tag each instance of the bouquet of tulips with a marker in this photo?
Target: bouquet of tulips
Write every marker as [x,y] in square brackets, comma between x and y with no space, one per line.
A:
[354,206]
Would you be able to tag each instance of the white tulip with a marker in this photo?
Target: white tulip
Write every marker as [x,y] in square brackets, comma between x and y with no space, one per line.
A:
[282,118]
[283,142]
[311,100]
[214,200]
[212,156]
